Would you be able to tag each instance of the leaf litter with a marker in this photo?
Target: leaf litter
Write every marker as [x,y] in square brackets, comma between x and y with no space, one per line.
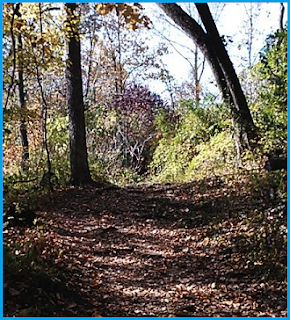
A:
[204,248]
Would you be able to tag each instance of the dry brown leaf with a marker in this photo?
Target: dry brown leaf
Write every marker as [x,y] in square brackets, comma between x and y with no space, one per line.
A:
[13,292]
[72,305]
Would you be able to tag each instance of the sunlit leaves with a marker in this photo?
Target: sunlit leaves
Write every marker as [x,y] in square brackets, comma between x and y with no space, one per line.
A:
[105,8]
[40,37]
[270,107]
[72,23]
[34,44]
[132,15]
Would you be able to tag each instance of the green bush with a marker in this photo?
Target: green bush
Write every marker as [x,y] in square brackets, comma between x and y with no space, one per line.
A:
[58,141]
[214,157]
[199,142]
[270,108]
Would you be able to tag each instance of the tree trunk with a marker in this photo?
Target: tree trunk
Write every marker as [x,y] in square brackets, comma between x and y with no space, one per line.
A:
[281,18]
[80,173]
[214,50]
[194,31]
[243,114]
[275,163]
[21,95]
[23,129]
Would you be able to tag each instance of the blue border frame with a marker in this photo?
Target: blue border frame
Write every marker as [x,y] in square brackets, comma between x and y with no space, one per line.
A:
[1,156]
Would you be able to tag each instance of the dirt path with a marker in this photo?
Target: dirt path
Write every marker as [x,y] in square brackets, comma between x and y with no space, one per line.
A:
[163,250]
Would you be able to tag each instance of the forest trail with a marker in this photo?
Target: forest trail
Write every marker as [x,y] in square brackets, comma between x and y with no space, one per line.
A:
[194,249]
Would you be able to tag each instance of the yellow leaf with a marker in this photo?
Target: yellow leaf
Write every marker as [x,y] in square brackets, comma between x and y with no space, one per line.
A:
[205,241]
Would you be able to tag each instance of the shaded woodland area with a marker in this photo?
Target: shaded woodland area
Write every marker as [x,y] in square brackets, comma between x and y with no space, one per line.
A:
[122,201]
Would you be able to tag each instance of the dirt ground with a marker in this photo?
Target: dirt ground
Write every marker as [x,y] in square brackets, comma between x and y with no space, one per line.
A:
[205,248]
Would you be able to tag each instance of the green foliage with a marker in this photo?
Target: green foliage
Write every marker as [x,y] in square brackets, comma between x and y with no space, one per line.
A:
[18,214]
[128,128]
[270,108]
[164,123]
[270,240]
[213,157]
[175,149]
[58,140]
[22,190]
[23,256]
[200,143]
[26,186]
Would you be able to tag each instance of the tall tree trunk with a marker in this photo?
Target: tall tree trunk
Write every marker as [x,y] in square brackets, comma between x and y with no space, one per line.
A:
[281,18]
[23,128]
[213,49]
[80,173]
[21,95]
[243,114]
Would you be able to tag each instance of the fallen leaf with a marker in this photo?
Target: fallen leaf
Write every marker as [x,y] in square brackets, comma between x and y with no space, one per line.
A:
[13,292]
[205,241]
[71,305]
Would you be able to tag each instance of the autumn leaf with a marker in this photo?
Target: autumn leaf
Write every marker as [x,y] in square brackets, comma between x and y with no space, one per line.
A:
[13,292]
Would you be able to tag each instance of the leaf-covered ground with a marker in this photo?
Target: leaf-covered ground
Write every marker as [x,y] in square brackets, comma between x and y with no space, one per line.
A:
[207,248]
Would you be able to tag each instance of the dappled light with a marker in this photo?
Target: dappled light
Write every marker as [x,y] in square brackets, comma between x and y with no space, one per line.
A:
[144,159]
[149,250]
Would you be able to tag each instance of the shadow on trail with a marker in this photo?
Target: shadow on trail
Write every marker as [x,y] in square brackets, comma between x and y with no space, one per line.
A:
[165,250]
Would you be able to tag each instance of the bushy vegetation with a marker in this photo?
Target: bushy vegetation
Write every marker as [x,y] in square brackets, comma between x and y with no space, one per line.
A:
[121,134]
[200,143]
[134,133]
[270,107]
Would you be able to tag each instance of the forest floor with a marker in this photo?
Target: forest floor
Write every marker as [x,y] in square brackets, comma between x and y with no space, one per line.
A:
[214,247]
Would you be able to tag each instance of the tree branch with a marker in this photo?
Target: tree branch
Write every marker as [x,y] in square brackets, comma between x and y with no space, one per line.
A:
[15,12]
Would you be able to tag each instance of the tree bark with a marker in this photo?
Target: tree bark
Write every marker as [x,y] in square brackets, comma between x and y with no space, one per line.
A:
[281,18]
[23,128]
[214,50]
[275,163]
[80,173]
[21,95]
[243,114]
[196,78]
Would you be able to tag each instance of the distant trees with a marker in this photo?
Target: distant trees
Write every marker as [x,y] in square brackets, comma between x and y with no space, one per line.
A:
[136,109]
[120,109]
[17,53]
[35,52]
[116,56]
[28,50]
